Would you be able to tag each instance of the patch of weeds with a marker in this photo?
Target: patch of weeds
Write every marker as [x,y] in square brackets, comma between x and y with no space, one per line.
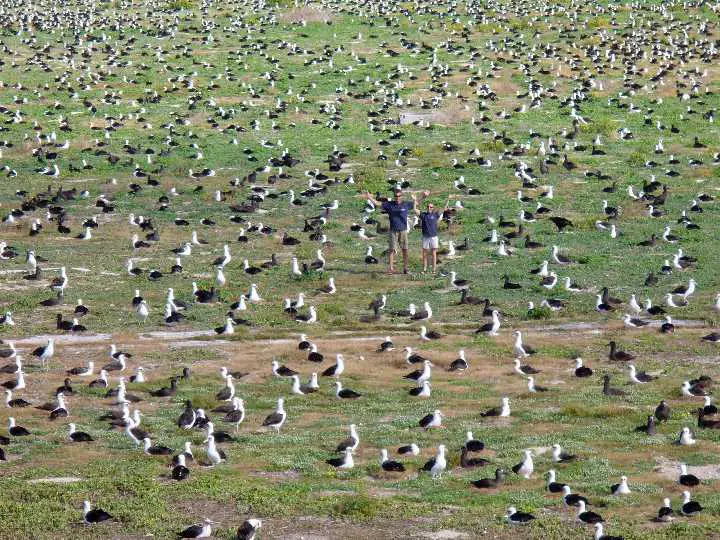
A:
[357,507]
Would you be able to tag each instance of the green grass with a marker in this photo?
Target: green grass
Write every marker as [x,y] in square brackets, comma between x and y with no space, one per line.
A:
[283,478]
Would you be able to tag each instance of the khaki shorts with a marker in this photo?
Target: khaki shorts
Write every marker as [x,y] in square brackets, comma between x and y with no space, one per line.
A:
[429,242]
[398,239]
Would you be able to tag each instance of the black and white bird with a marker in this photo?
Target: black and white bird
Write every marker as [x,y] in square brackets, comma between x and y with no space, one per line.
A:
[532,387]
[436,465]
[526,467]
[180,470]
[429,335]
[665,513]
[520,349]
[424,314]
[570,498]
[559,456]
[685,479]
[386,346]
[458,284]
[351,442]
[344,462]
[585,516]
[248,529]
[524,369]
[460,363]
[11,402]
[276,419]
[337,369]
[639,377]
[690,507]
[412,357]
[502,411]
[421,375]
[708,408]
[94,515]
[155,450]
[386,464]
[518,518]
[472,444]
[686,437]
[432,420]
[345,393]
[552,486]
[214,454]
[409,449]
[634,322]
[188,417]
[46,352]
[580,370]
[60,411]
[281,371]
[491,328]
[600,534]
[622,488]
[78,436]
[422,390]
[237,414]
[198,530]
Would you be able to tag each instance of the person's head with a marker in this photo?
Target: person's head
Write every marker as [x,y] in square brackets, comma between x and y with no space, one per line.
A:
[430,207]
[397,195]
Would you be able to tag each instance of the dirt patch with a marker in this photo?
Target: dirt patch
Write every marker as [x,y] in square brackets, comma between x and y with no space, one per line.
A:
[447,116]
[445,534]
[391,492]
[671,469]
[321,528]
[276,475]
[224,514]
[306,14]
[55,480]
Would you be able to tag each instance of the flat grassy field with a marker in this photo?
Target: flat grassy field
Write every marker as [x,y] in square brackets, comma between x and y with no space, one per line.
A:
[144,92]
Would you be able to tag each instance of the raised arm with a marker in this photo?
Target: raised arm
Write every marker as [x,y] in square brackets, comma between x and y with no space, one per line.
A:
[372,199]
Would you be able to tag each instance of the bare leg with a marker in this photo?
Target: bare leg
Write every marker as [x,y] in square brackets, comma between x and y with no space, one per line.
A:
[424,259]
[434,260]
[391,261]
[405,259]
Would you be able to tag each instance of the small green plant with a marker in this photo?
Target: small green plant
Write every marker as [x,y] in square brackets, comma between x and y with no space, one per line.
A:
[358,507]
[539,313]
[182,4]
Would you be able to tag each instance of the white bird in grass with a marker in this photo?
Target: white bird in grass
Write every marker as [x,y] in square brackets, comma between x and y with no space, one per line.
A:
[276,419]
[438,464]
[526,467]
[621,488]
[686,438]
[214,455]
[253,296]
[502,250]
[142,310]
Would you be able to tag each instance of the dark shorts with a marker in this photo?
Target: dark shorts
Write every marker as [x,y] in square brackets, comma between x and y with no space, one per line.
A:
[398,239]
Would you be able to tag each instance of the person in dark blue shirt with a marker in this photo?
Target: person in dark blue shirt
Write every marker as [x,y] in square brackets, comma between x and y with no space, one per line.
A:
[397,211]
[429,223]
